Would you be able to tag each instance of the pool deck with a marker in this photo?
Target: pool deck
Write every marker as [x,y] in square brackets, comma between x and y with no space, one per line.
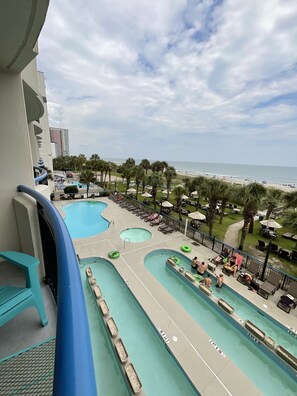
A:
[210,372]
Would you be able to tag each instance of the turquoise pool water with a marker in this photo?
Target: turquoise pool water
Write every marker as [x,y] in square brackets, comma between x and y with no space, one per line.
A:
[84,219]
[109,378]
[136,235]
[80,185]
[157,369]
[265,373]
[247,311]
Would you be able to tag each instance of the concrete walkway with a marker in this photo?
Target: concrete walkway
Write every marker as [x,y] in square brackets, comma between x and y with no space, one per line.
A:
[231,236]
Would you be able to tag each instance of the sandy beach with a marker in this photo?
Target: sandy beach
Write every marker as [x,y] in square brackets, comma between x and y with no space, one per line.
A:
[238,181]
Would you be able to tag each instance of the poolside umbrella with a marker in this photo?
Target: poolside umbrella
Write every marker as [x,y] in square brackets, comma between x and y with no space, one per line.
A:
[166,204]
[197,215]
[179,185]
[194,193]
[270,223]
[184,196]
[131,190]
[166,192]
[146,195]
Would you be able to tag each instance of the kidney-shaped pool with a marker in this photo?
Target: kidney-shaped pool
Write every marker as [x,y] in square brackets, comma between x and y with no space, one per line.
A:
[84,219]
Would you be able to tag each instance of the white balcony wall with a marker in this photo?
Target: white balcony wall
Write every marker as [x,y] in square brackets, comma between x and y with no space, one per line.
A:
[15,155]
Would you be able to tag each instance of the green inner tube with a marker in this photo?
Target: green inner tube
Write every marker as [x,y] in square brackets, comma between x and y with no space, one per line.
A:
[186,248]
[175,259]
[114,254]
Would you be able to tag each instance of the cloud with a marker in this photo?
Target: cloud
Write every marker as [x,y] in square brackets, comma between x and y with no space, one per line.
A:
[162,80]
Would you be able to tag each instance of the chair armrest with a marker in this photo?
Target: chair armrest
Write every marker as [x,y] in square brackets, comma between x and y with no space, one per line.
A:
[22,260]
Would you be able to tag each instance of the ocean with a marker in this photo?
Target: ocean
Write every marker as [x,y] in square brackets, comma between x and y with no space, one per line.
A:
[282,175]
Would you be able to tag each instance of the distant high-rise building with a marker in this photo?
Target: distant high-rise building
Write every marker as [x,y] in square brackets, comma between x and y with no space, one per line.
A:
[60,137]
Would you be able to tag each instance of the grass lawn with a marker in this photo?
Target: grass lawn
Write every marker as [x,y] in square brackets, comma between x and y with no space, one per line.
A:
[219,230]
[251,242]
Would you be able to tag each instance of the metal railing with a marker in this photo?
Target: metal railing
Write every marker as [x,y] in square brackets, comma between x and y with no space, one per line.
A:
[217,245]
[74,369]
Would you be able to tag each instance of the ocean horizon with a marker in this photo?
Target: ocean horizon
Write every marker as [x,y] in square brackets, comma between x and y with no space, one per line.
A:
[282,175]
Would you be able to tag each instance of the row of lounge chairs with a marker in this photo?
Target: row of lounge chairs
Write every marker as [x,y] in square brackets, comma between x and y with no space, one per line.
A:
[284,253]
[154,219]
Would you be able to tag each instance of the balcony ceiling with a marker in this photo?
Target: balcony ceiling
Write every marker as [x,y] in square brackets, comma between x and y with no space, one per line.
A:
[20,26]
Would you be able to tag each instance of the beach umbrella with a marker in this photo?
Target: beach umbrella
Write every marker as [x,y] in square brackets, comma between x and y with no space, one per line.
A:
[179,185]
[270,223]
[197,215]
[184,196]
[166,204]
[146,195]
[166,192]
[131,190]
[194,193]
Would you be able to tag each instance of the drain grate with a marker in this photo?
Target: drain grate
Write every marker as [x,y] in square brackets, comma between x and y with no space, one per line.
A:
[30,372]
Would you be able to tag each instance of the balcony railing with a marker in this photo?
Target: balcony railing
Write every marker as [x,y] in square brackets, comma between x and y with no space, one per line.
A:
[74,368]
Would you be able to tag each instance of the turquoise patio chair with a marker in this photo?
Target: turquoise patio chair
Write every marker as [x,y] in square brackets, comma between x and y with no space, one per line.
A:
[14,300]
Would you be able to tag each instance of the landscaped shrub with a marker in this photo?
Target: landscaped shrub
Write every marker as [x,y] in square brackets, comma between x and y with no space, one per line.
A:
[71,190]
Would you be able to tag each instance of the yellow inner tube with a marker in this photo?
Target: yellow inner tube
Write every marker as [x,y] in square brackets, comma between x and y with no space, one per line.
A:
[175,259]
[186,248]
[114,254]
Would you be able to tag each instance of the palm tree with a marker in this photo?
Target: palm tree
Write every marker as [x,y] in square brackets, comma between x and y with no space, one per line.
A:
[213,191]
[87,177]
[252,195]
[81,160]
[169,174]
[155,180]
[157,166]
[164,165]
[112,167]
[128,172]
[187,182]
[272,200]
[290,221]
[199,184]
[94,161]
[130,162]
[226,193]
[139,177]
[290,199]
[74,162]
[145,163]
[178,192]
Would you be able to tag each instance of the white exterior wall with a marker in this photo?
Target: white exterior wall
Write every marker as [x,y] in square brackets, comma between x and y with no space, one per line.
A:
[19,152]
[45,149]
[15,155]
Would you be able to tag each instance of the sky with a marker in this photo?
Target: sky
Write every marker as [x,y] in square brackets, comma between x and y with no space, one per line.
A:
[174,80]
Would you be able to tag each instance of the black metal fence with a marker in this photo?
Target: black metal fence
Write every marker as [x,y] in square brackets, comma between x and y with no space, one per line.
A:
[211,242]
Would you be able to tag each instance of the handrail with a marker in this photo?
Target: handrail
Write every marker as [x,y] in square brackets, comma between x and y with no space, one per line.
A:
[42,176]
[74,368]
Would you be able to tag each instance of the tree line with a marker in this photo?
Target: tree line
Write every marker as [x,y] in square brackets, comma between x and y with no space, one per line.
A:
[250,197]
